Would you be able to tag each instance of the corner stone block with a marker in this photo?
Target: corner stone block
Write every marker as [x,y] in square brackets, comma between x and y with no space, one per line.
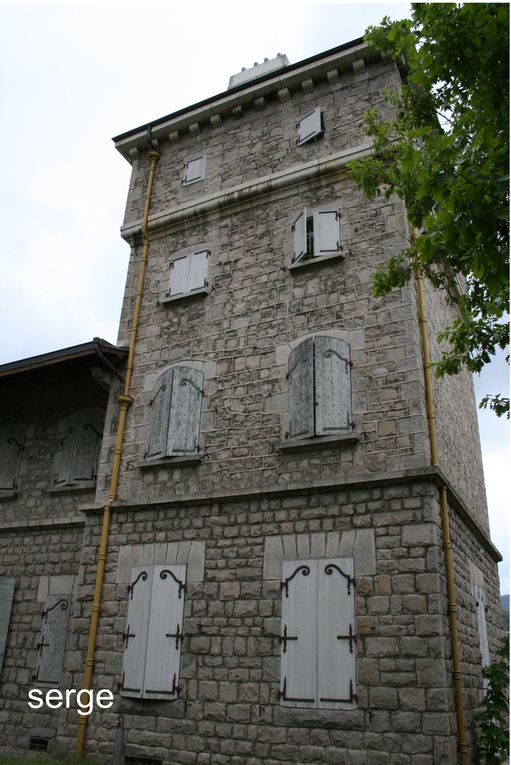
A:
[419,534]
[124,565]
[273,557]
[365,552]
[42,590]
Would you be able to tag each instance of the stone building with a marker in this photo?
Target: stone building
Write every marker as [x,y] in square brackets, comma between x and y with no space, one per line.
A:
[276,492]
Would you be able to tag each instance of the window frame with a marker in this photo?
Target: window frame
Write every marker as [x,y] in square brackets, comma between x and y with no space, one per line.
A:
[317,129]
[189,290]
[71,447]
[201,160]
[312,240]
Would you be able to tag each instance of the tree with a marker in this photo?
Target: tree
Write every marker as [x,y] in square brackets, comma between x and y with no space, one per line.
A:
[493,717]
[446,154]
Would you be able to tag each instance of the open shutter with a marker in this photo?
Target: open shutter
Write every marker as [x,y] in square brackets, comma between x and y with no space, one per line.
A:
[53,639]
[301,390]
[300,236]
[165,632]
[309,126]
[185,410]
[135,637]
[12,440]
[195,169]
[87,438]
[178,284]
[481,625]
[66,453]
[198,271]
[336,633]
[327,238]
[298,676]
[6,595]
[333,386]
[160,410]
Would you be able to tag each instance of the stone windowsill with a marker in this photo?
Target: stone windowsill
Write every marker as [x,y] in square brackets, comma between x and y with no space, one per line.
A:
[178,461]
[6,495]
[202,291]
[318,442]
[313,261]
[72,488]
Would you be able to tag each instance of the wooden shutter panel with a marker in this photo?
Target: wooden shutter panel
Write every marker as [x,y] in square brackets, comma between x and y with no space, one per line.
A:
[481,625]
[87,438]
[6,596]
[336,633]
[195,169]
[327,238]
[165,632]
[300,236]
[309,126]
[137,625]
[53,639]
[298,676]
[301,390]
[160,411]
[198,270]
[179,276]
[185,410]
[333,386]
[66,453]
[12,440]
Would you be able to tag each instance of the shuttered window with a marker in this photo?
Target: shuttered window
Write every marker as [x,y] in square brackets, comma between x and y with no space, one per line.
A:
[12,440]
[188,274]
[480,601]
[6,596]
[154,632]
[319,388]
[175,413]
[195,169]
[310,126]
[52,644]
[79,448]
[318,637]
[316,234]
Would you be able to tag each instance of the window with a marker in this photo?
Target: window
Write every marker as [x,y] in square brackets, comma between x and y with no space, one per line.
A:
[480,602]
[79,448]
[12,440]
[310,126]
[175,413]
[6,595]
[319,393]
[53,639]
[154,632]
[188,274]
[195,170]
[318,639]
[316,234]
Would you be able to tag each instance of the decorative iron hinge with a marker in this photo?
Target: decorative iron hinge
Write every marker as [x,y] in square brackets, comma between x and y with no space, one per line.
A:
[352,697]
[131,587]
[63,603]
[329,569]
[177,634]
[285,584]
[182,587]
[283,695]
[122,687]
[350,636]
[127,635]
[285,637]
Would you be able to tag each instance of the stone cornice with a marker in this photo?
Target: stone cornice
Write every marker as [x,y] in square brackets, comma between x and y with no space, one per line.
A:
[43,524]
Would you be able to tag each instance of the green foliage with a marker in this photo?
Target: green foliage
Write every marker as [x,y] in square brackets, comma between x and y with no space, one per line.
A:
[493,717]
[445,152]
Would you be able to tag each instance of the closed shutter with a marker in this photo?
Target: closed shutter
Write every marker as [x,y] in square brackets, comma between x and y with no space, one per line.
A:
[185,410]
[301,390]
[336,633]
[480,599]
[300,236]
[165,633]
[12,440]
[135,637]
[299,634]
[179,276]
[66,453]
[87,438]
[333,386]
[309,126]
[6,596]
[53,639]
[195,169]
[160,410]
[327,239]
[198,270]
[154,632]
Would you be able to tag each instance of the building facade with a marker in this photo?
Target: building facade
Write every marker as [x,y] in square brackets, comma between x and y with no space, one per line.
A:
[274,586]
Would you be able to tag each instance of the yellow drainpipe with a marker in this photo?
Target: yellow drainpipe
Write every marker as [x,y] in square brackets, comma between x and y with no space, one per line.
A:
[125,400]
[444,508]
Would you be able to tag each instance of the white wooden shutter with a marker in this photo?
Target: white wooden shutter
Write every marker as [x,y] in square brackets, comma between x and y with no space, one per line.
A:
[65,459]
[195,169]
[6,596]
[53,639]
[185,410]
[165,633]
[178,284]
[298,677]
[480,599]
[336,633]
[309,126]
[198,270]
[327,237]
[300,236]
[160,412]
[301,390]
[12,440]
[87,438]
[333,386]
[137,625]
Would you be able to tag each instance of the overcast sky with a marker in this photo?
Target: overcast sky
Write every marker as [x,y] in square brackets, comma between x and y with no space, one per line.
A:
[71,77]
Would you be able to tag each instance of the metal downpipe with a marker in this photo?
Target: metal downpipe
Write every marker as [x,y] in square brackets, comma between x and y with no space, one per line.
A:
[125,400]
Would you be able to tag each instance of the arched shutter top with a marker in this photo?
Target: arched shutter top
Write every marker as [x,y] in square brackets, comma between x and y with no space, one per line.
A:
[185,411]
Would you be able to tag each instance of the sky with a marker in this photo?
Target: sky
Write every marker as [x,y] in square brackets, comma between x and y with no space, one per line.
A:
[73,75]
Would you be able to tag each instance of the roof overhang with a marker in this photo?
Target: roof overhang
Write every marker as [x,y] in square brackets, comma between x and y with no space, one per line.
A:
[93,349]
